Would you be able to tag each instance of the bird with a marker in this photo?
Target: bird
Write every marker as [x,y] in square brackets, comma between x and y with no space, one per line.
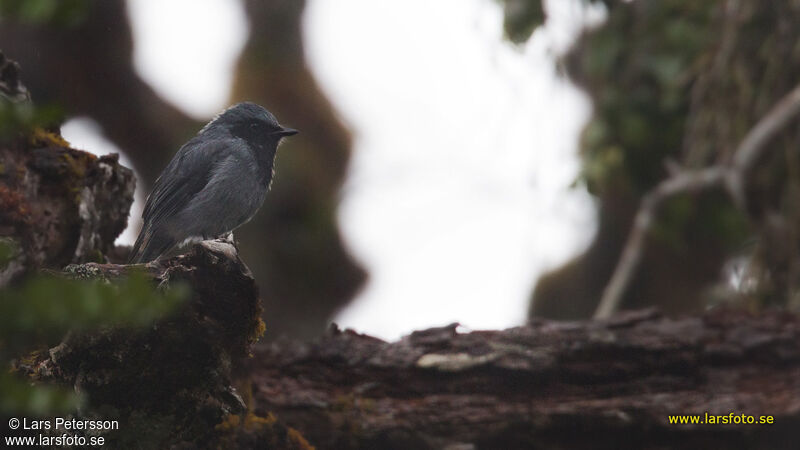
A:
[215,182]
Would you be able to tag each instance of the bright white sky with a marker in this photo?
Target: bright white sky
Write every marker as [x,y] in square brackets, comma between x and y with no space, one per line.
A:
[458,193]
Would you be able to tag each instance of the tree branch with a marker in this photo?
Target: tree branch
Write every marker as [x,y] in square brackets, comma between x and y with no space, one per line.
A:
[731,177]
[554,385]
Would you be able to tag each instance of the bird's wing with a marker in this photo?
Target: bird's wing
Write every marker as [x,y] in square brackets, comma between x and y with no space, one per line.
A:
[186,175]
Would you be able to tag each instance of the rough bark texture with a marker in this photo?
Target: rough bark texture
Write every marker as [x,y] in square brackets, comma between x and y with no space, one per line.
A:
[592,384]
[172,385]
[609,384]
[86,64]
[59,205]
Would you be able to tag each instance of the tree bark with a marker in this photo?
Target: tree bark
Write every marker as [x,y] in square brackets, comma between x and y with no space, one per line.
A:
[591,384]
[58,205]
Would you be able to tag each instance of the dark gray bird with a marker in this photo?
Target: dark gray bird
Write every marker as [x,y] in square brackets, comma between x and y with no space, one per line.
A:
[215,183]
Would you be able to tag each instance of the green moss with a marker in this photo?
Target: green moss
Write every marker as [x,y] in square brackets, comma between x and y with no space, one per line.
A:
[98,257]
[258,331]
[75,164]
[267,431]
[20,120]
[41,137]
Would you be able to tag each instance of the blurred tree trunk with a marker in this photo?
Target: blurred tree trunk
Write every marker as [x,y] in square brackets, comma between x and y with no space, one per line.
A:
[88,70]
[678,85]
[293,245]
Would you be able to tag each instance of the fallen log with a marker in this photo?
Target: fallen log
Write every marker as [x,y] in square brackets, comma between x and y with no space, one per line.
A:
[592,384]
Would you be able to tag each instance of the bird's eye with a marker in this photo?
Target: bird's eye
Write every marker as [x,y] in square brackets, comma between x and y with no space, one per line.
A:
[253,125]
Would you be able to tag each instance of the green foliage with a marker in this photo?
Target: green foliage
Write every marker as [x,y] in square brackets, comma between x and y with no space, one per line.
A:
[521,18]
[51,12]
[20,119]
[639,68]
[689,221]
[8,248]
[683,82]
[48,306]
[40,311]
[18,396]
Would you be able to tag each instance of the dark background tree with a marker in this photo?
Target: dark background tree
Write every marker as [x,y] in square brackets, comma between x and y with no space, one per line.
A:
[676,86]
[80,57]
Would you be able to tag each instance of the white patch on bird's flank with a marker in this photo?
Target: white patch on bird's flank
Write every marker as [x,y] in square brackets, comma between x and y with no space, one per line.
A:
[191,240]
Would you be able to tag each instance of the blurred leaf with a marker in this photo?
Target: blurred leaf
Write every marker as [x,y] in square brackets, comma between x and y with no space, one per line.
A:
[601,165]
[20,398]
[53,12]
[19,119]
[521,18]
[673,220]
[44,308]
[8,249]
[721,220]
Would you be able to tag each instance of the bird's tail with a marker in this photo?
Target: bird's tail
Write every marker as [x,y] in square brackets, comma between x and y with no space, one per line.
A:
[149,246]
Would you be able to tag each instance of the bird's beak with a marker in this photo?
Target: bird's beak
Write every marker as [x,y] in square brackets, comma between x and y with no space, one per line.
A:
[287,132]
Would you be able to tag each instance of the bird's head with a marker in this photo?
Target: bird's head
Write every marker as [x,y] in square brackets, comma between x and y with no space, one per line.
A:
[250,122]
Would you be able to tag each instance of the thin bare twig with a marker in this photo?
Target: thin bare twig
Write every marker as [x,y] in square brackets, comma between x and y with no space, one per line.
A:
[729,176]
